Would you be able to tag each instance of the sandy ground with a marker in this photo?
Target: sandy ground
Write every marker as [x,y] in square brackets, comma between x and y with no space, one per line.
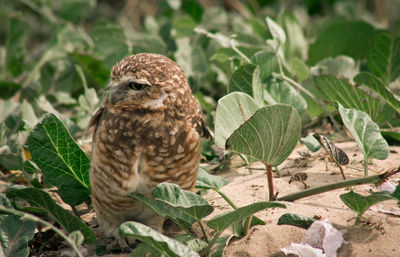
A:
[377,236]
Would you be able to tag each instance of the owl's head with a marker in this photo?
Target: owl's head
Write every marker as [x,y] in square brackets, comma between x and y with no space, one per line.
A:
[145,81]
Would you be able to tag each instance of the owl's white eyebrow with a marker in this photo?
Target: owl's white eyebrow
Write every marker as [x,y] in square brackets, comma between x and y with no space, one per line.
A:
[126,79]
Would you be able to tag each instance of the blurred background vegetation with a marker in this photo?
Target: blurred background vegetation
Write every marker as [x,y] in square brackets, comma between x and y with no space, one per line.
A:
[55,56]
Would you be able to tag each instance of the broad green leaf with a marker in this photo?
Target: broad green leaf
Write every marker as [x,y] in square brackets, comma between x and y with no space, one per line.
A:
[340,66]
[281,92]
[8,89]
[188,202]
[257,86]
[295,220]
[300,69]
[184,26]
[377,85]
[312,144]
[15,234]
[352,38]
[392,137]
[191,241]
[396,193]
[208,181]
[221,243]
[276,31]
[76,10]
[395,59]
[378,58]
[60,159]
[193,8]
[15,47]
[224,220]
[239,228]
[267,63]
[144,43]
[110,42]
[93,68]
[296,43]
[366,133]
[242,79]
[232,111]
[63,217]
[269,136]
[333,89]
[165,210]
[360,204]
[166,245]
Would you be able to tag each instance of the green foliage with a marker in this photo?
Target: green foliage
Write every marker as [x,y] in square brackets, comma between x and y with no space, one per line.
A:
[295,220]
[365,132]
[264,136]
[165,245]
[60,159]
[312,144]
[63,217]
[361,204]
[257,77]
[223,221]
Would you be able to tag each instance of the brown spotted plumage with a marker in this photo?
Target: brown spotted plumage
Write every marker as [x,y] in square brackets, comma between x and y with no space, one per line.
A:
[147,132]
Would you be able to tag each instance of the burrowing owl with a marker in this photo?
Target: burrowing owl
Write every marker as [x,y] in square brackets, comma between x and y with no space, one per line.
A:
[147,132]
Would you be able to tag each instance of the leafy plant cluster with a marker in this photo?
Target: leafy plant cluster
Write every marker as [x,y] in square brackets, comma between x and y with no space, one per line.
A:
[260,77]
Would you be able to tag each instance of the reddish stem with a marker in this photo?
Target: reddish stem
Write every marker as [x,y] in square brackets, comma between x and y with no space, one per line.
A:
[270,182]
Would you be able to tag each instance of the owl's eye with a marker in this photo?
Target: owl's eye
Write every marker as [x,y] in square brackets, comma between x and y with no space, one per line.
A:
[136,86]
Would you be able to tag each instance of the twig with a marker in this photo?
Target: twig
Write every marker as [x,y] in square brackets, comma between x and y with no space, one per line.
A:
[375,179]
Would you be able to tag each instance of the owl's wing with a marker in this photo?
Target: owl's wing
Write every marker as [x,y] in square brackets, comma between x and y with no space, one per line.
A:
[202,129]
[95,120]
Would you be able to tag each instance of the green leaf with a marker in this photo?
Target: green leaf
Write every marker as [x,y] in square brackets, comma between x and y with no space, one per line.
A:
[269,136]
[312,144]
[165,210]
[257,86]
[16,47]
[352,38]
[296,43]
[60,159]
[377,85]
[378,58]
[221,244]
[276,31]
[242,79]
[365,132]
[110,42]
[15,234]
[232,111]
[340,66]
[63,217]
[188,202]
[75,10]
[165,245]
[239,228]
[361,204]
[184,26]
[267,63]
[300,69]
[295,220]
[224,220]
[192,241]
[92,67]
[395,59]
[333,89]
[281,92]
[8,89]
[208,181]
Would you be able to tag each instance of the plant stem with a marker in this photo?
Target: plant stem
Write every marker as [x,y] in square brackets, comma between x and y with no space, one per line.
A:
[210,244]
[223,195]
[25,215]
[248,219]
[375,179]
[203,230]
[270,179]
